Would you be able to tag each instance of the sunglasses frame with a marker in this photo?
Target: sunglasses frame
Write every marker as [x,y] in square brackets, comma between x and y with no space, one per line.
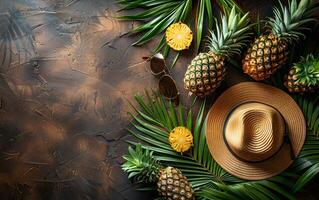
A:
[159,61]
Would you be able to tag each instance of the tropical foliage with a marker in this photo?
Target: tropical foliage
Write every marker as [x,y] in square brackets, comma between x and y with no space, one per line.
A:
[157,15]
[157,117]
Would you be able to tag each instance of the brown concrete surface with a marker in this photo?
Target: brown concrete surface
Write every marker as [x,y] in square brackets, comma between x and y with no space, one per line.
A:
[65,80]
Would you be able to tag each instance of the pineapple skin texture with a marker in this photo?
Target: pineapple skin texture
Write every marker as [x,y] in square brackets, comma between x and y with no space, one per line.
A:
[265,56]
[205,74]
[294,86]
[172,185]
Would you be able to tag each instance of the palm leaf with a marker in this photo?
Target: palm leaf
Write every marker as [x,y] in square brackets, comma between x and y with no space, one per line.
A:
[310,107]
[306,177]
[308,160]
[157,15]
[200,22]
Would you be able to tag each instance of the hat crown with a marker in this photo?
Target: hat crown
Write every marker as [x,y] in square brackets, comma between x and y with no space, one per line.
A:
[254,131]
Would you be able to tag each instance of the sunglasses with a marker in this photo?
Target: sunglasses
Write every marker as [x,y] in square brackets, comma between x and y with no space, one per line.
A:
[167,85]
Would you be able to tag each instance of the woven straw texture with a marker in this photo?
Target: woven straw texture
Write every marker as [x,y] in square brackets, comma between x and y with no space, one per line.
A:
[264,146]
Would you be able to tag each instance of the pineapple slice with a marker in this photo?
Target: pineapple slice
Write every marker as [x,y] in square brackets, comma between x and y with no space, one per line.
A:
[181,139]
[179,36]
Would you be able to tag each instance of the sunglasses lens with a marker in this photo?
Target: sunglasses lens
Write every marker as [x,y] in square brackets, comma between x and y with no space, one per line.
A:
[157,64]
[167,87]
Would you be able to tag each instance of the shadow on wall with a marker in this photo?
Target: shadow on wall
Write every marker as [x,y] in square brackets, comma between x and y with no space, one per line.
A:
[63,99]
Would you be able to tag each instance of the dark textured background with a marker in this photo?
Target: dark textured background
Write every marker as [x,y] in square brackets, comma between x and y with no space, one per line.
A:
[65,79]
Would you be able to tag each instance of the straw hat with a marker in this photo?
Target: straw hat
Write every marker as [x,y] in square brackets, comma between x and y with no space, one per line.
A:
[254,131]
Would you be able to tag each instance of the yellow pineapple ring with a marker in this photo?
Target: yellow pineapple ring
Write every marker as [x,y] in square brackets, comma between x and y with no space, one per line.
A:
[180,139]
[179,36]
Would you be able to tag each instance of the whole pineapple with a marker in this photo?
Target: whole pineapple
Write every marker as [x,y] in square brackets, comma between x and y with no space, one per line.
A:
[142,166]
[304,76]
[208,70]
[270,51]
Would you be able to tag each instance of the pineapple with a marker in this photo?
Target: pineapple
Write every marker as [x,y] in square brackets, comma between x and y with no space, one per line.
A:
[304,76]
[270,51]
[179,36]
[180,139]
[142,166]
[208,70]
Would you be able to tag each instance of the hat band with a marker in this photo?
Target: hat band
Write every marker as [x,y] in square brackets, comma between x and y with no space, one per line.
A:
[286,139]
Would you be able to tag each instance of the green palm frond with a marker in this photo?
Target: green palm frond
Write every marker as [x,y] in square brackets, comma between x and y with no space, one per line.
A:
[157,15]
[308,161]
[310,107]
[274,188]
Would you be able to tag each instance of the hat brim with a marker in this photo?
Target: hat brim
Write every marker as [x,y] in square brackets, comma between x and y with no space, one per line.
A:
[258,92]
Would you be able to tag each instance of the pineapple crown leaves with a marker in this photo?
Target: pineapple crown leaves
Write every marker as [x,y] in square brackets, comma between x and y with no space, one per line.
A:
[141,165]
[308,70]
[289,22]
[231,34]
